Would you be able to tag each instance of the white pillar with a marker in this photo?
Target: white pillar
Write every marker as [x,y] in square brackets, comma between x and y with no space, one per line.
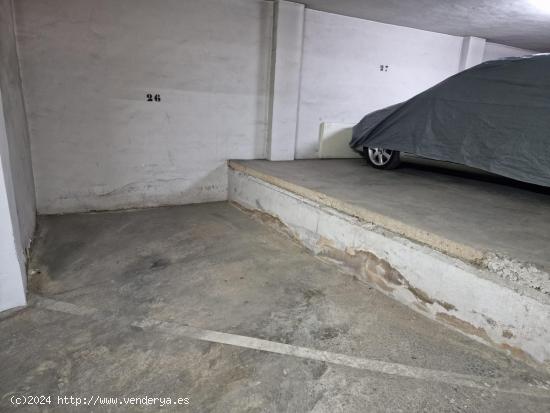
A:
[12,264]
[473,49]
[286,63]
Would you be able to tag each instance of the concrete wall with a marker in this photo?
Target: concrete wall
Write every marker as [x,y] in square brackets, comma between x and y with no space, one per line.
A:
[286,64]
[12,263]
[472,52]
[19,153]
[495,51]
[341,77]
[17,201]
[87,67]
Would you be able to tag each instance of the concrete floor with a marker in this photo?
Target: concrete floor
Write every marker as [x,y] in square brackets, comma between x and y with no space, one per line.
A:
[135,304]
[485,212]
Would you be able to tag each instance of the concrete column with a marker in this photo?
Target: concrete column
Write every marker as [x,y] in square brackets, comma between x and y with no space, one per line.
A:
[12,265]
[286,62]
[473,49]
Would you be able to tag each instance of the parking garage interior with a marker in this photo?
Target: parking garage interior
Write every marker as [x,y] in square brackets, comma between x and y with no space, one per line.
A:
[183,225]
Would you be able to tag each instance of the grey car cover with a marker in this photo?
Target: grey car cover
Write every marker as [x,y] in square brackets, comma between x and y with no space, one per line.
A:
[494,117]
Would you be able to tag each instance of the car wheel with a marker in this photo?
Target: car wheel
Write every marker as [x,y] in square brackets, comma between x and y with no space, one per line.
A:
[380,158]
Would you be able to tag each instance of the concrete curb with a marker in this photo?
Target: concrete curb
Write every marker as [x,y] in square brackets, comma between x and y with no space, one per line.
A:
[453,291]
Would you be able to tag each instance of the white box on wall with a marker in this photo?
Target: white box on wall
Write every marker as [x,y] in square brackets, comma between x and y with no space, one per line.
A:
[334,141]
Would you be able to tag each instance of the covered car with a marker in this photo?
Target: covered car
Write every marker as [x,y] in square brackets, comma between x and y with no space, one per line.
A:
[494,117]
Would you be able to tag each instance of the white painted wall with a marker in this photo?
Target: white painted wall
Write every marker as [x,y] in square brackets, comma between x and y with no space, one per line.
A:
[286,64]
[341,77]
[87,66]
[495,51]
[17,202]
[12,262]
[472,52]
[18,144]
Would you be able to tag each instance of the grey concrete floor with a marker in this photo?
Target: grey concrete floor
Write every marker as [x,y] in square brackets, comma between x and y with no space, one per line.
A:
[483,211]
[135,303]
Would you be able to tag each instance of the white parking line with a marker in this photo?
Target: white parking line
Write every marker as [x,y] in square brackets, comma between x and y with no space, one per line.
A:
[394,369]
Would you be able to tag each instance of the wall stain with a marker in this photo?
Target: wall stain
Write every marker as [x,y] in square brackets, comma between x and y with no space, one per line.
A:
[519,354]
[507,334]
[463,326]
[267,219]
[368,268]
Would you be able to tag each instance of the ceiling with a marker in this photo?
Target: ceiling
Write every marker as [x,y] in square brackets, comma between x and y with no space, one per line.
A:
[519,23]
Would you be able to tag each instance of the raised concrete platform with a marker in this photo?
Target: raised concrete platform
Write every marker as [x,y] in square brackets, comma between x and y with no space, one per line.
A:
[472,251]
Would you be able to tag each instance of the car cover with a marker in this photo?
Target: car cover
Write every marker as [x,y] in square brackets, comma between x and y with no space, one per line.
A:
[494,117]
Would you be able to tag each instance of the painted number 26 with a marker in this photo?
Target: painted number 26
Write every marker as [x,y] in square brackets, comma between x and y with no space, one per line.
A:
[151,98]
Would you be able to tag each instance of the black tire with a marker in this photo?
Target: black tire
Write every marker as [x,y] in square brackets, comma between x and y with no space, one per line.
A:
[384,162]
